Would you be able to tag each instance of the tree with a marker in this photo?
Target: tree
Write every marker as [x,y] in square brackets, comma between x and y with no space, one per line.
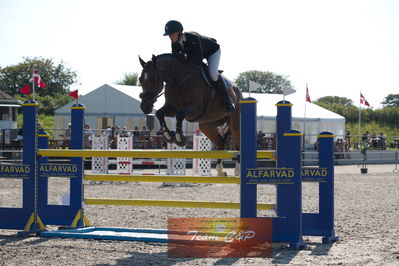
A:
[271,82]
[330,100]
[129,79]
[391,100]
[56,76]
[48,104]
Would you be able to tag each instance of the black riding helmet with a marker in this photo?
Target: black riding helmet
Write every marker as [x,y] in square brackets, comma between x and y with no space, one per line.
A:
[173,26]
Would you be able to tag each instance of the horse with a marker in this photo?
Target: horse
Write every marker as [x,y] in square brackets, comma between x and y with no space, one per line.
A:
[189,96]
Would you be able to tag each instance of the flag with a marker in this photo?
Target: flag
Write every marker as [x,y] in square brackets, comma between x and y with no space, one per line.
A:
[37,80]
[253,86]
[288,91]
[307,95]
[363,100]
[74,94]
[25,90]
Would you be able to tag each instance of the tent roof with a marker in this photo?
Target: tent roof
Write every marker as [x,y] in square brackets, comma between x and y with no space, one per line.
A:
[111,99]
[134,92]
[267,107]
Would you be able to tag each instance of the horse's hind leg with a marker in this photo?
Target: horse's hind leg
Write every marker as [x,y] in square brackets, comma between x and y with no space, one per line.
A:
[235,135]
[179,137]
[210,130]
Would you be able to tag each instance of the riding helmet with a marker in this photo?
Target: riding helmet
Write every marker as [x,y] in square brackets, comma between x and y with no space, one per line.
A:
[173,26]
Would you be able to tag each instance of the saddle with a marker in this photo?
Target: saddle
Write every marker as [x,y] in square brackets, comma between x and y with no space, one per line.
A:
[207,78]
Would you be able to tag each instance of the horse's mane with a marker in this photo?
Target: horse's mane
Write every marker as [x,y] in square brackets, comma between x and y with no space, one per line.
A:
[165,56]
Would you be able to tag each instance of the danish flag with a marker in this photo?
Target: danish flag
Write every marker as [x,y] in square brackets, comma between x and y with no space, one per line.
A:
[363,100]
[37,80]
[307,94]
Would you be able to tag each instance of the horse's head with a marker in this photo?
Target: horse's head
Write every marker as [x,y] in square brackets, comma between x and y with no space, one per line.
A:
[151,83]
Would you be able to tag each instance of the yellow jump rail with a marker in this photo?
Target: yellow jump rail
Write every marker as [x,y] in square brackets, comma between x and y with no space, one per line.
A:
[150,154]
[173,203]
[164,178]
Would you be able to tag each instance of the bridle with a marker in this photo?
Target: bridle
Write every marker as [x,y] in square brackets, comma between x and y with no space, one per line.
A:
[150,97]
[163,75]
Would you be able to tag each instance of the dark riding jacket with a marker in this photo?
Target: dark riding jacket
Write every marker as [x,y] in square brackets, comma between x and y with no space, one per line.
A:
[196,46]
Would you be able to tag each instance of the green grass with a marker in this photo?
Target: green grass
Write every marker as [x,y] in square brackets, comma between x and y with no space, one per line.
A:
[390,132]
[46,121]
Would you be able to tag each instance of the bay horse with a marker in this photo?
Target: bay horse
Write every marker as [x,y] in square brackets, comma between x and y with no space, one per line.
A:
[189,96]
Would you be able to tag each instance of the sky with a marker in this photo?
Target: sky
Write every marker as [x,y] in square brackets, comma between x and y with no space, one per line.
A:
[338,48]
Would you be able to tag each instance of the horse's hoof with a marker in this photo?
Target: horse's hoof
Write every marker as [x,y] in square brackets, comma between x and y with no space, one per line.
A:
[182,141]
[172,139]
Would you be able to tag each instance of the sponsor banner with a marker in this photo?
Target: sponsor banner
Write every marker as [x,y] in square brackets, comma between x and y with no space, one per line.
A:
[58,170]
[219,237]
[284,175]
[269,175]
[15,171]
[315,174]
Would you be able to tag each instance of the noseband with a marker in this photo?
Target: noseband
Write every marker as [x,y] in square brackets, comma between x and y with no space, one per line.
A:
[150,97]
[166,76]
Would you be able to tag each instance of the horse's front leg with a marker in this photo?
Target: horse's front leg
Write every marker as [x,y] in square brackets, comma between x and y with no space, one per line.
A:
[179,137]
[161,113]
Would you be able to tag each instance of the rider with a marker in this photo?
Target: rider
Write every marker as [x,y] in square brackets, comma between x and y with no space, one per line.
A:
[194,47]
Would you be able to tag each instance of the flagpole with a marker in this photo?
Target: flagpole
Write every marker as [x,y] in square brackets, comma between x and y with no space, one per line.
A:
[249,89]
[33,84]
[358,136]
[304,117]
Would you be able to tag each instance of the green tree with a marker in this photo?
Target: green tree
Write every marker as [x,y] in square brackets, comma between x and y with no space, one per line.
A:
[330,100]
[129,79]
[48,104]
[271,82]
[56,76]
[391,100]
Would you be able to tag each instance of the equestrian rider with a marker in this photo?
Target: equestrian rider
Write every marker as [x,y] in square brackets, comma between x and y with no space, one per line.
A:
[191,46]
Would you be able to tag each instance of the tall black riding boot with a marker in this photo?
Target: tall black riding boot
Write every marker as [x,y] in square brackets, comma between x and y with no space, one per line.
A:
[221,86]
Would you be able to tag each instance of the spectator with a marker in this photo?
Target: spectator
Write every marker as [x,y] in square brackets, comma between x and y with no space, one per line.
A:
[145,138]
[113,138]
[339,144]
[381,141]
[67,136]
[87,136]
[136,131]
[346,148]
[108,133]
[144,131]
[348,136]
[124,133]
[316,145]
[366,137]
[40,127]
[373,140]
[259,139]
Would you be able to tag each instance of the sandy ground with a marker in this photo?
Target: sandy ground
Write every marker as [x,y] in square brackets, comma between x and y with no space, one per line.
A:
[367,222]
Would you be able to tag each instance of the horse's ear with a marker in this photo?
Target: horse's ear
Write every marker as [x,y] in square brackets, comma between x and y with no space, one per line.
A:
[142,62]
[154,58]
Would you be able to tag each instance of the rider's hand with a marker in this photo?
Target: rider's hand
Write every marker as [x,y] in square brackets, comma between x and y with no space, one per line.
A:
[180,56]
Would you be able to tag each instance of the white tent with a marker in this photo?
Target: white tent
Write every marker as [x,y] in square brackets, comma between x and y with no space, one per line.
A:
[318,119]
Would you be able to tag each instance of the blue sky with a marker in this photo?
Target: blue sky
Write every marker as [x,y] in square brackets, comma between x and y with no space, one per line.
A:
[337,47]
